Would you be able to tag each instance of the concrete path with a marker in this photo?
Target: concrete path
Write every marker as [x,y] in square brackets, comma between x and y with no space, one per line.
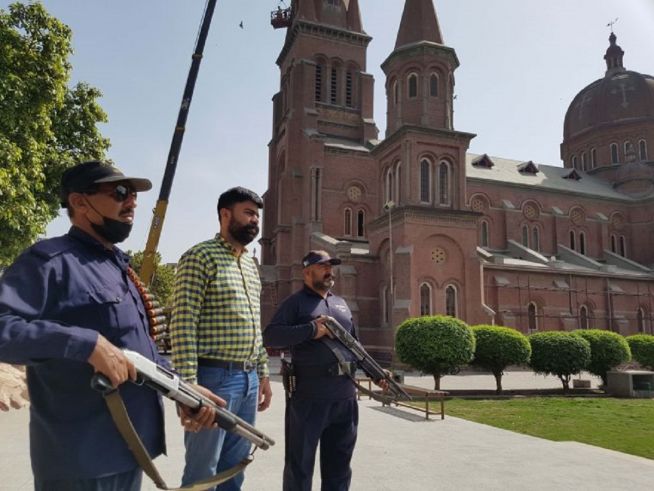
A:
[398,450]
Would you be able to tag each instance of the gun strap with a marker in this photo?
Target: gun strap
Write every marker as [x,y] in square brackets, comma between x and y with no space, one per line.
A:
[126,428]
[334,347]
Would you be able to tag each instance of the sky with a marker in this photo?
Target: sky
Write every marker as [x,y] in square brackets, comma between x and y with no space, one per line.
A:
[522,62]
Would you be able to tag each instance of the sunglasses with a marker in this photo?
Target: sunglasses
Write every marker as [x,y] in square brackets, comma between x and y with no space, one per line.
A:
[121,192]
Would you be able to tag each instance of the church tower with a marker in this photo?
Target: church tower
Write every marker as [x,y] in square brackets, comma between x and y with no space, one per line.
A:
[323,128]
[426,237]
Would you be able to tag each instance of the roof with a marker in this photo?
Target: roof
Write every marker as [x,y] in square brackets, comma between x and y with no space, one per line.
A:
[548,177]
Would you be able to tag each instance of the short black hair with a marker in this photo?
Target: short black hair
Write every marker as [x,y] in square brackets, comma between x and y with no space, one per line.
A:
[238,195]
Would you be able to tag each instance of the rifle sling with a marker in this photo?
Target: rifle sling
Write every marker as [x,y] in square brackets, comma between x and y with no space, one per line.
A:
[124,424]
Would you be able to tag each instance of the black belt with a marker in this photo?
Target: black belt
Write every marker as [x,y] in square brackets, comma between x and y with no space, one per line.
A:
[334,369]
[242,366]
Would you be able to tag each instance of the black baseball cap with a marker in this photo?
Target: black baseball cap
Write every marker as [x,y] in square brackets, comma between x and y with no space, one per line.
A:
[319,257]
[84,176]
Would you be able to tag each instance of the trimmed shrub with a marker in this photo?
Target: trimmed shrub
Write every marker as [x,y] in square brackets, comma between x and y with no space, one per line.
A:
[607,350]
[437,345]
[642,349]
[559,353]
[497,347]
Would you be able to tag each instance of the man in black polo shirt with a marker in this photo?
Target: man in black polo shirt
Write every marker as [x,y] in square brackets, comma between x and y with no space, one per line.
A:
[323,406]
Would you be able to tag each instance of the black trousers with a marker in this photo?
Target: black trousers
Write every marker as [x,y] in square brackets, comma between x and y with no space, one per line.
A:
[333,423]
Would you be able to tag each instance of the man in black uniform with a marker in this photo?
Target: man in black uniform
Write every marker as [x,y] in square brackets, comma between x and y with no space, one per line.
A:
[323,406]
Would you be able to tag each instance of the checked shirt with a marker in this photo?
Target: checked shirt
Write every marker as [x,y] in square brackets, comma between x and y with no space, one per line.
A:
[216,311]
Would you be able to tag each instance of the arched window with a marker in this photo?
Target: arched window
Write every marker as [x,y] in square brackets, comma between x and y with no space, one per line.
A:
[451,301]
[396,92]
[532,314]
[347,219]
[398,183]
[627,148]
[390,184]
[642,149]
[641,320]
[318,82]
[583,317]
[572,240]
[614,243]
[525,236]
[433,85]
[614,153]
[484,235]
[574,161]
[535,239]
[361,220]
[593,158]
[413,85]
[584,163]
[425,181]
[444,184]
[425,299]
[386,306]
[349,89]
[582,243]
[623,246]
[333,86]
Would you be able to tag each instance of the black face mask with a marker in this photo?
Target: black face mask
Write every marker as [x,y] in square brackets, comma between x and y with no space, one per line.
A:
[111,230]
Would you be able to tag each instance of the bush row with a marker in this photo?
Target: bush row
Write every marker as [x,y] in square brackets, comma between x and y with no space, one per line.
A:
[440,345]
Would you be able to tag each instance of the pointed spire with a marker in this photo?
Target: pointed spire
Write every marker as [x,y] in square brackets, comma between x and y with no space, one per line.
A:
[613,56]
[354,17]
[419,23]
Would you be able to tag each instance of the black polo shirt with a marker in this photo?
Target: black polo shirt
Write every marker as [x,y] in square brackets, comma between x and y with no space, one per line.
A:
[291,327]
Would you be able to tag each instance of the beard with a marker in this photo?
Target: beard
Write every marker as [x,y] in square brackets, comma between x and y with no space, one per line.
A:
[243,234]
[323,284]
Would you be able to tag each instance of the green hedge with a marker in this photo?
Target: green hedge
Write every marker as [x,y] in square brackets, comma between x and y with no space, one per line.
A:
[642,349]
[559,353]
[437,345]
[498,347]
[607,350]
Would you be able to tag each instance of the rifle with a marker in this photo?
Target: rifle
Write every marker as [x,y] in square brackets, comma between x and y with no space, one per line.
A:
[170,385]
[366,362]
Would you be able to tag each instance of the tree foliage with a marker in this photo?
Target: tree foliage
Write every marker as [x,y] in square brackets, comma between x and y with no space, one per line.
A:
[497,347]
[559,353]
[437,345]
[642,349]
[45,126]
[607,350]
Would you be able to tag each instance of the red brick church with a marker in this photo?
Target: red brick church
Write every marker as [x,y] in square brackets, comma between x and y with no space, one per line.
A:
[423,226]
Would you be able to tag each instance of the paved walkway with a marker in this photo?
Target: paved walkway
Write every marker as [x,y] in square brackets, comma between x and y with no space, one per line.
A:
[398,450]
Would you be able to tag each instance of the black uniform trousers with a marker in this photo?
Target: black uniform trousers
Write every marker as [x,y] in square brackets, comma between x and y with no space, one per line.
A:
[333,423]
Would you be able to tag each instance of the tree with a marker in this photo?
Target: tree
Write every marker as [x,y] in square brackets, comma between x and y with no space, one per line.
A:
[607,350]
[497,347]
[45,127]
[559,353]
[164,277]
[642,349]
[437,345]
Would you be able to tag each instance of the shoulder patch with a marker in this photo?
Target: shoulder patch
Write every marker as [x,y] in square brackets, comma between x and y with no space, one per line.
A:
[50,248]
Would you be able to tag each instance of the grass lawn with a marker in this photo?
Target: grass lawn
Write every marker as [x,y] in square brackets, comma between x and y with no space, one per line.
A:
[625,425]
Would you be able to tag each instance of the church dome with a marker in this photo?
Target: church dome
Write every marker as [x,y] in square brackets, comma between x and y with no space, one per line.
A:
[620,96]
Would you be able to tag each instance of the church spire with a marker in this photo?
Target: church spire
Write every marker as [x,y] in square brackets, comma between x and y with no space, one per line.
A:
[354,17]
[613,56]
[419,23]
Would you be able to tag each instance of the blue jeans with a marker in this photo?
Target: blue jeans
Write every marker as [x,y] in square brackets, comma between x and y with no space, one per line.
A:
[125,481]
[209,452]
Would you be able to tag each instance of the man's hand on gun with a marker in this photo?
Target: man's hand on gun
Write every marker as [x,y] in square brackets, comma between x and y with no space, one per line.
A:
[383,383]
[320,328]
[205,417]
[110,361]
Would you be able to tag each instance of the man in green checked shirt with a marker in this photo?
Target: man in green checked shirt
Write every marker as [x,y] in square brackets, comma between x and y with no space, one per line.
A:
[216,333]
